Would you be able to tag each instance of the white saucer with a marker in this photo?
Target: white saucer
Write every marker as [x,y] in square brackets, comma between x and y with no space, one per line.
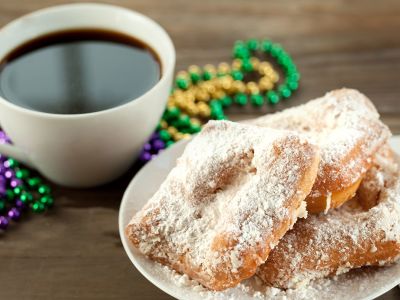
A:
[362,284]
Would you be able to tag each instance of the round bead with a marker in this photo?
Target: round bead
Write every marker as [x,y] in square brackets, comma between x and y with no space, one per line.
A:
[20,205]
[34,181]
[147,147]
[274,76]
[226,82]
[202,95]
[236,64]
[272,97]
[194,128]
[172,130]
[8,174]
[182,83]
[44,189]
[48,201]
[252,87]
[247,66]
[178,136]
[293,85]
[207,75]
[38,207]
[275,50]
[158,145]
[252,44]
[210,68]
[255,62]
[3,223]
[223,68]
[195,77]
[241,99]
[17,190]
[183,121]
[217,111]
[14,214]
[194,69]
[192,109]
[266,45]
[15,182]
[238,86]
[164,135]
[265,83]
[240,51]
[22,173]
[26,197]
[237,75]
[226,101]
[154,136]
[204,110]
[145,156]
[257,100]
[293,77]
[172,113]
[284,91]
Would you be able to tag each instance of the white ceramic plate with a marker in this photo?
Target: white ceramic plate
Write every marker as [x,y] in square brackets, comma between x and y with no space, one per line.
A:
[364,284]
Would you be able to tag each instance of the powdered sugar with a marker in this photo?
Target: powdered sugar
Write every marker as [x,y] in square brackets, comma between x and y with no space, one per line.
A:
[365,283]
[217,213]
[346,126]
[354,285]
[341,240]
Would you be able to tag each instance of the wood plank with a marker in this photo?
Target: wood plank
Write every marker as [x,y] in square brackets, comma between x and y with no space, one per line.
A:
[74,251]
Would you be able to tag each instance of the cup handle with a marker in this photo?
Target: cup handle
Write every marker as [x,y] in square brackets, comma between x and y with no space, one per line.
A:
[16,153]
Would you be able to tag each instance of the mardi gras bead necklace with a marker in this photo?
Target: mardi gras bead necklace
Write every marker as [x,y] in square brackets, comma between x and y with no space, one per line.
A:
[20,190]
[201,94]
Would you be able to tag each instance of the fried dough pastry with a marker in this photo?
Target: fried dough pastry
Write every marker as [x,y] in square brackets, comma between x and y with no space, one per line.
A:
[346,126]
[233,194]
[346,238]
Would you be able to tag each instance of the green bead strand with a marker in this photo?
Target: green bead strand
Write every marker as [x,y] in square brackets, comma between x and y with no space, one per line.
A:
[22,173]
[241,99]
[38,207]
[237,75]
[207,76]
[48,201]
[273,97]
[164,135]
[44,189]
[18,190]
[182,83]
[34,182]
[26,197]
[257,100]
[226,101]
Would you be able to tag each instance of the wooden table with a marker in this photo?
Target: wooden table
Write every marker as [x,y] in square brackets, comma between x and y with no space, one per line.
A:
[74,251]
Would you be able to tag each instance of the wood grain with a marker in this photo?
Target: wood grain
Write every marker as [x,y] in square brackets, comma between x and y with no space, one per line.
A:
[74,251]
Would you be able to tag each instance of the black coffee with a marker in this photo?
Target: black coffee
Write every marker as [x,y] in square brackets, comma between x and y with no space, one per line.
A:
[78,71]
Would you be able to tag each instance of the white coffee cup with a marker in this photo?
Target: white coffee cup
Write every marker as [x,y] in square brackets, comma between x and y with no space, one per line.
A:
[84,150]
